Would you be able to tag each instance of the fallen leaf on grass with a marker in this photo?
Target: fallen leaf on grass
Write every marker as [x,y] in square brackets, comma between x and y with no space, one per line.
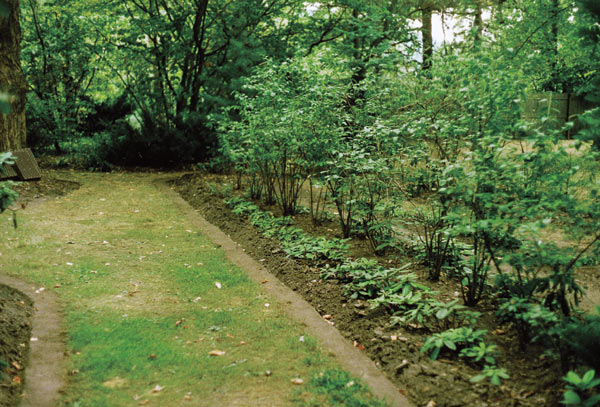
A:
[359,346]
[216,352]
[219,285]
[16,380]
[157,389]
[132,293]
[188,397]
[297,381]
[16,365]
[179,322]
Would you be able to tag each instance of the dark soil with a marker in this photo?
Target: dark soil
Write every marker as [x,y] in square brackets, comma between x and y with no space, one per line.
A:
[50,185]
[534,379]
[16,311]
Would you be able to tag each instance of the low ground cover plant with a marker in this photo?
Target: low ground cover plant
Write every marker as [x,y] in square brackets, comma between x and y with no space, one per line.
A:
[295,242]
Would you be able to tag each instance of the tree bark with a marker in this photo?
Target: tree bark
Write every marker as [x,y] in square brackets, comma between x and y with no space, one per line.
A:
[478,24]
[12,80]
[427,34]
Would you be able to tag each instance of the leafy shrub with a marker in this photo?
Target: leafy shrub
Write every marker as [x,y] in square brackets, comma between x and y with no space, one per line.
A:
[493,373]
[368,280]
[480,353]
[532,321]
[452,339]
[91,154]
[581,391]
[433,234]
[296,243]
[282,128]
[579,340]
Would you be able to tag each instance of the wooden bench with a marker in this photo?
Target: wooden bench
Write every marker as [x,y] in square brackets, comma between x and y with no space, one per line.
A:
[25,167]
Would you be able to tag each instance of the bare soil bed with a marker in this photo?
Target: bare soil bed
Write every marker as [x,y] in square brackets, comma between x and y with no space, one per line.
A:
[535,380]
[16,311]
[51,184]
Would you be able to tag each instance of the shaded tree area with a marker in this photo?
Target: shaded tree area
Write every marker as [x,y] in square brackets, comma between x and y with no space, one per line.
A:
[147,82]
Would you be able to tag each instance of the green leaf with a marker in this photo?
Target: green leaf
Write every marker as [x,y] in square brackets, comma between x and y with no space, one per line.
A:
[441,314]
[572,378]
[588,376]
[434,355]
[477,379]
[571,398]
[450,345]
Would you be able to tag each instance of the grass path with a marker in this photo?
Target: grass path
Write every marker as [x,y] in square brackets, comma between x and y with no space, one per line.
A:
[147,298]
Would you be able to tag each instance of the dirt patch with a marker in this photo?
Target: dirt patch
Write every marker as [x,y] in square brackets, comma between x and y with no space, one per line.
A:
[50,185]
[535,380]
[16,312]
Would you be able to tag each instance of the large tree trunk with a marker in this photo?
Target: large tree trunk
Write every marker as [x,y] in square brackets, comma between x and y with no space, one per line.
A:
[12,80]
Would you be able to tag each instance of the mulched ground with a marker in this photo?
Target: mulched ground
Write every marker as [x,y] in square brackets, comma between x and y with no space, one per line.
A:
[51,184]
[535,380]
[16,311]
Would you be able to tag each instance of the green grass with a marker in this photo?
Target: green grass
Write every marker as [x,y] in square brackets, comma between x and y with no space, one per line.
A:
[143,309]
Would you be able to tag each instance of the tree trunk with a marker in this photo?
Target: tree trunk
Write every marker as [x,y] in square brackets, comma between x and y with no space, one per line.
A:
[12,80]
[557,83]
[427,34]
[478,25]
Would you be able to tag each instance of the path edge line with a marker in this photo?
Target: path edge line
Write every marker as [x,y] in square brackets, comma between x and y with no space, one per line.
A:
[296,307]
[44,377]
